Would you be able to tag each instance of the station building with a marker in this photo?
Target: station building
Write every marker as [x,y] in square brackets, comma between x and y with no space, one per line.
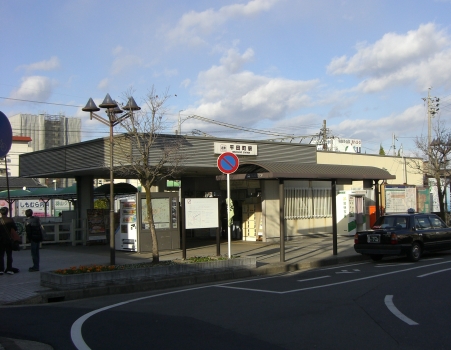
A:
[279,189]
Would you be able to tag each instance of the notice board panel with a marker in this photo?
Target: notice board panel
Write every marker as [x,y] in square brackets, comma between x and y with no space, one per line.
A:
[201,212]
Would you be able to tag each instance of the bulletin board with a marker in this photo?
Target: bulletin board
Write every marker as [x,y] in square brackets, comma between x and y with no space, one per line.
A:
[201,213]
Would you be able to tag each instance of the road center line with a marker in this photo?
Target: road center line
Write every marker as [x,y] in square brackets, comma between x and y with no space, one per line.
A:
[394,310]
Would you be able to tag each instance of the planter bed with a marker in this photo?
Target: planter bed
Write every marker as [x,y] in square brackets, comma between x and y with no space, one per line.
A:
[121,277]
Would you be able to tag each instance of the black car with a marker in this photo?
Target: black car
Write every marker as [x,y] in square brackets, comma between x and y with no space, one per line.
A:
[408,234]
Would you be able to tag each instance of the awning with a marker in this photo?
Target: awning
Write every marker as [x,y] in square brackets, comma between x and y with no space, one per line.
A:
[276,170]
[120,189]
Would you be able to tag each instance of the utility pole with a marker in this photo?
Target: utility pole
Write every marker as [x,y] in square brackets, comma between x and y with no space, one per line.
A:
[393,144]
[324,132]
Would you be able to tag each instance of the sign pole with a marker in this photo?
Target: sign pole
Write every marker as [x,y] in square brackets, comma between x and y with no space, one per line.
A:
[229,200]
[228,163]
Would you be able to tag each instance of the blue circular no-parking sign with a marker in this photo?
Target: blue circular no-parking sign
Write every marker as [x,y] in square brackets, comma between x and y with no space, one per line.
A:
[6,135]
[228,162]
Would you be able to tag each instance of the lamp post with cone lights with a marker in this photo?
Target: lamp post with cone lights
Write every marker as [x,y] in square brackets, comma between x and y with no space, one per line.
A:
[114,117]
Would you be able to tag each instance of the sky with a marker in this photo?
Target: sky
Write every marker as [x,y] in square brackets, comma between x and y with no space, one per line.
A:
[270,69]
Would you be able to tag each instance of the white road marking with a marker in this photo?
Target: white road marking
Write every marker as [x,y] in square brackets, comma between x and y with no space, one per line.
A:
[256,279]
[333,284]
[311,279]
[75,331]
[393,265]
[393,309]
[339,267]
[250,289]
[346,271]
[431,273]
[79,343]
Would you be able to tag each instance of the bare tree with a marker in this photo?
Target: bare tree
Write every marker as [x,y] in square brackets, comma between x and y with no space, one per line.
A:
[149,155]
[435,156]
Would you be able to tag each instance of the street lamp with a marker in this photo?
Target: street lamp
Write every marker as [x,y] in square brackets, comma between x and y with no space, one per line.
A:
[113,111]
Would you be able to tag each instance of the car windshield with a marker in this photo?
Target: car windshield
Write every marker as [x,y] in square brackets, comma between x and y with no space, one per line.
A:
[392,222]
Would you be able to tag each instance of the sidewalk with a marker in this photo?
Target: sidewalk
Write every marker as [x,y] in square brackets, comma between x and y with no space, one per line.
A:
[24,287]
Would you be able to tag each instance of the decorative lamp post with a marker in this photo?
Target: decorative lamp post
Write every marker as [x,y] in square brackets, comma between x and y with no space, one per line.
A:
[114,117]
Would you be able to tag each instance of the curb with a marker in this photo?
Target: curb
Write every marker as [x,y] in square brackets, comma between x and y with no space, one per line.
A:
[175,281]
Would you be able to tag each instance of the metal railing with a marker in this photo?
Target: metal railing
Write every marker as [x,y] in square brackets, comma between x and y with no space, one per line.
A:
[56,232]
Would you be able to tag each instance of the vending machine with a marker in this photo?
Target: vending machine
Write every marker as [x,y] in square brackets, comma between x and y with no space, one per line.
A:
[127,235]
[351,212]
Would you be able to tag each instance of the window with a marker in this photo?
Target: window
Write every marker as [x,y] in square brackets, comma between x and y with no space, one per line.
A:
[391,221]
[422,222]
[307,203]
[436,222]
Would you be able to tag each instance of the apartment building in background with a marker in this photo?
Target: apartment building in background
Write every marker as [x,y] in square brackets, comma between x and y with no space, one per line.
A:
[45,131]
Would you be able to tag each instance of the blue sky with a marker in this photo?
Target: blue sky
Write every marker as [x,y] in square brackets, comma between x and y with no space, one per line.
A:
[281,66]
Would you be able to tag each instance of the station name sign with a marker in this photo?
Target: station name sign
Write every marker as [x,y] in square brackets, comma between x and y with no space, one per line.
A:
[245,149]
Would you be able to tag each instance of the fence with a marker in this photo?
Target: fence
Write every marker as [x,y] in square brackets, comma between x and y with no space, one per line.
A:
[56,231]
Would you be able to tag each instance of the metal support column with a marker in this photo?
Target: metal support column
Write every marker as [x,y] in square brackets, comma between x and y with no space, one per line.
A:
[334,217]
[282,220]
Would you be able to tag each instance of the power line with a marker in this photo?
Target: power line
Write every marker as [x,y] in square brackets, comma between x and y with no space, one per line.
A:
[232,126]
[47,103]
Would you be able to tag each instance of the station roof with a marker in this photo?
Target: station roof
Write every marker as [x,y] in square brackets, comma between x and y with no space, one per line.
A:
[275,160]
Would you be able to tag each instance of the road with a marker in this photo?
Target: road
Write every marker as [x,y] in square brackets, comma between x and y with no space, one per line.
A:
[393,304]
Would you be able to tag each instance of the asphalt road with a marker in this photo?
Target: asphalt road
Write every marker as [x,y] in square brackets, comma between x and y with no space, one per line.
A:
[393,304]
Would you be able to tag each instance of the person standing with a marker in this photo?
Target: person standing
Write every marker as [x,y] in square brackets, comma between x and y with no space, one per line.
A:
[34,235]
[6,225]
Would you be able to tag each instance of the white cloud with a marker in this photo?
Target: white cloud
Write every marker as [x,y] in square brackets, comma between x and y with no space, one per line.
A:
[432,72]
[420,56]
[233,61]
[36,88]
[392,52]
[382,129]
[46,65]
[193,25]
[104,84]
[185,83]
[118,50]
[124,63]
[230,93]
[168,73]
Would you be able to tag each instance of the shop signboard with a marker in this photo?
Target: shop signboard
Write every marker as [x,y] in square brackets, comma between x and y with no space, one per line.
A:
[98,220]
[38,206]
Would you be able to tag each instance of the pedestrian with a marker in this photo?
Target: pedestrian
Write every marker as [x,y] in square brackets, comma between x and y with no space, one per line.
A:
[6,225]
[33,228]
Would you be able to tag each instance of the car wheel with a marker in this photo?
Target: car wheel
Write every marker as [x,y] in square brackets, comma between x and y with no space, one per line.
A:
[415,252]
[376,257]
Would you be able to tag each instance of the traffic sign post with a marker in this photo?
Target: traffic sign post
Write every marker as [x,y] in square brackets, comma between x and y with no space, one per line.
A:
[228,163]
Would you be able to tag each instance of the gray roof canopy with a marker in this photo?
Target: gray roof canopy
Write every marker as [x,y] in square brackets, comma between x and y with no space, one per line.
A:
[19,183]
[274,160]
[275,170]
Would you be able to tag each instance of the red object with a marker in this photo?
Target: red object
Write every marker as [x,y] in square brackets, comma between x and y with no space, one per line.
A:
[393,238]
[228,162]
